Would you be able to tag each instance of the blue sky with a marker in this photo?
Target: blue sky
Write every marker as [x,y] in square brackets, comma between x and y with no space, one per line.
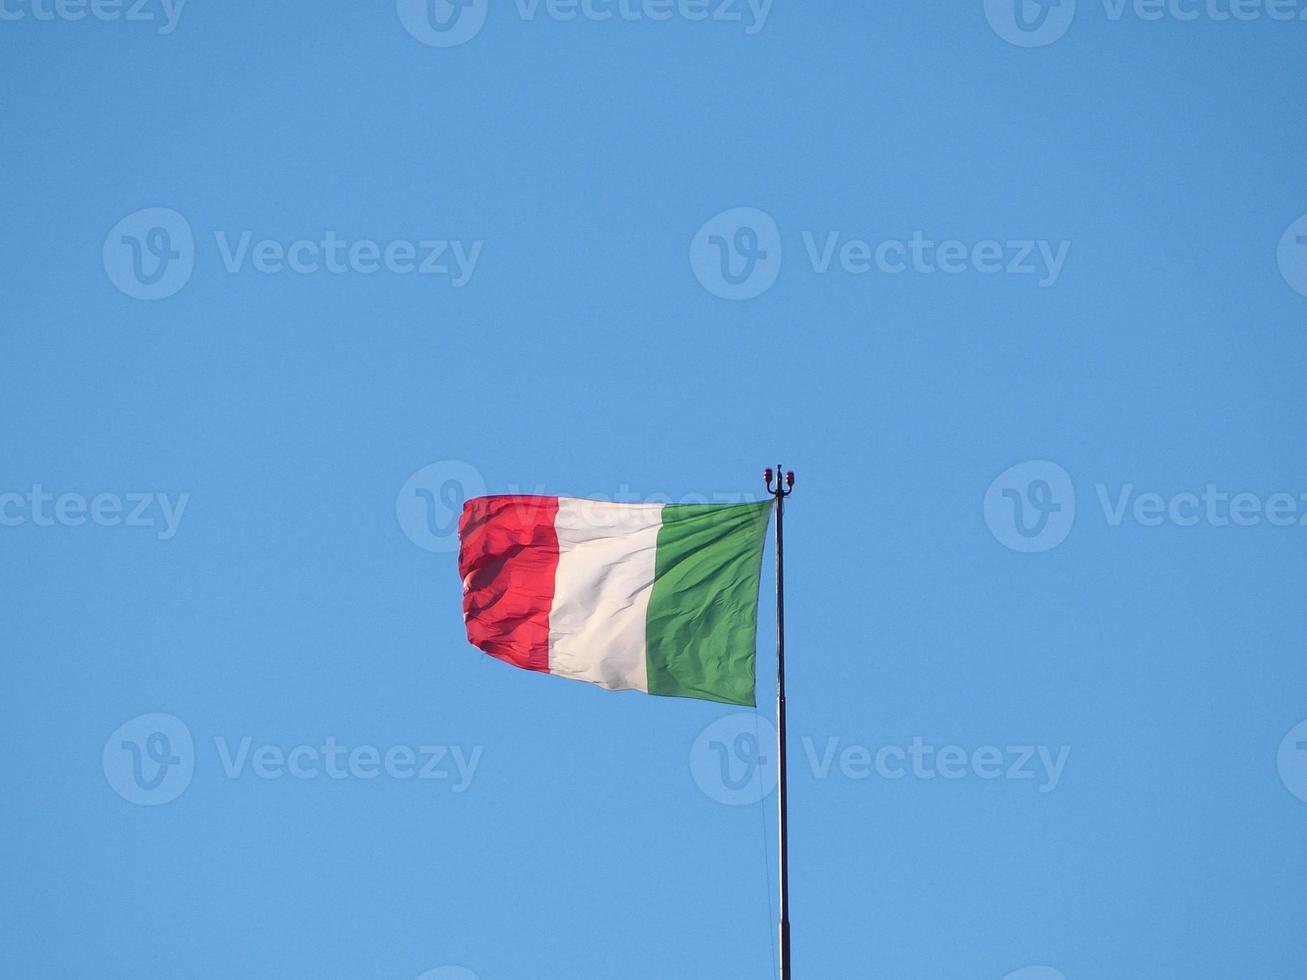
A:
[1021,293]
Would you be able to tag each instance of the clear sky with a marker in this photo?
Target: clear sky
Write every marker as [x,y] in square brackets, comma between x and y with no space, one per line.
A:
[1021,295]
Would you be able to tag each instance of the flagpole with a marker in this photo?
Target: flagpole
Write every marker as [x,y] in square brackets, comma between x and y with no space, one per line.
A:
[784,487]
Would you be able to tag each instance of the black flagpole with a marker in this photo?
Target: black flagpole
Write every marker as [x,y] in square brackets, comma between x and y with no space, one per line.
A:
[783,488]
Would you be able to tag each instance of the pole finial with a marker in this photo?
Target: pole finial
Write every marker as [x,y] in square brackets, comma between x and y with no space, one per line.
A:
[784,481]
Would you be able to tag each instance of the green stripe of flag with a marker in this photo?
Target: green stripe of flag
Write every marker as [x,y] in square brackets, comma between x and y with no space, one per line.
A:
[702,625]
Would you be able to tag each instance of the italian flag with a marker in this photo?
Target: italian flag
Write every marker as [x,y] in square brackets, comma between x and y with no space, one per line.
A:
[659,598]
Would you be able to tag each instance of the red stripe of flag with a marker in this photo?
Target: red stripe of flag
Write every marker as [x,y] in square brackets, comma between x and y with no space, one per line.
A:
[508,555]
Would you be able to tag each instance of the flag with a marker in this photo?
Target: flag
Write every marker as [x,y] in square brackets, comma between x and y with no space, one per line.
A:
[659,598]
